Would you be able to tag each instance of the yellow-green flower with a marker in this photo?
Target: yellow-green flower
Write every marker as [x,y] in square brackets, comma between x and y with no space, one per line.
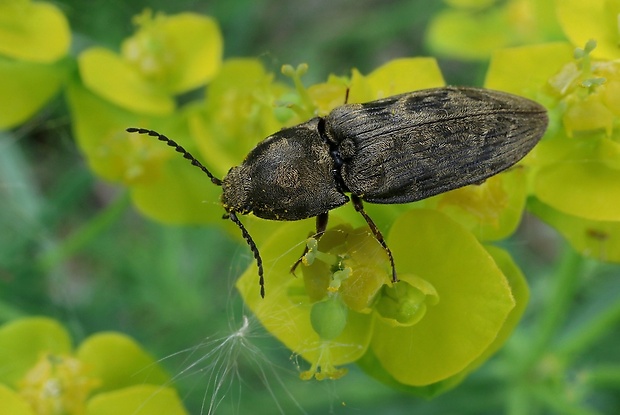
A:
[167,56]
[594,19]
[34,39]
[456,301]
[474,29]
[240,109]
[41,374]
[454,306]
[576,168]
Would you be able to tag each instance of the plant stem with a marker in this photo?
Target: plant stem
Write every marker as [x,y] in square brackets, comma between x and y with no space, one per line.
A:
[604,377]
[589,333]
[566,280]
[74,242]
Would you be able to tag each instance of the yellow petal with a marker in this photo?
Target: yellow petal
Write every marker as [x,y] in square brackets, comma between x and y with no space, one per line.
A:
[198,50]
[528,68]
[13,403]
[137,400]
[106,74]
[36,32]
[25,87]
[405,75]
[592,19]
[593,193]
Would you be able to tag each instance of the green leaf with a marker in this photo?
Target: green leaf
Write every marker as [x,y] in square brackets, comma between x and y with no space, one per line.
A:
[108,75]
[395,77]
[475,301]
[470,4]
[520,291]
[13,403]
[521,294]
[25,87]
[595,239]
[594,191]
[137,400]
[98,127]
[23,341]
[198,47]
[119,362]
[239,113]
[540,62]
[464,35]
[179,194]
[479,28]
[491,210]
[35,32]
[594,19]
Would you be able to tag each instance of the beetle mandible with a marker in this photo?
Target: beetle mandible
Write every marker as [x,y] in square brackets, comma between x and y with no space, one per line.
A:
[394,150]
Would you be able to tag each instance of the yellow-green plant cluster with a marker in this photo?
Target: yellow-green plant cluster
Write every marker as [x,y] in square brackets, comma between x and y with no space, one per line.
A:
[460,296]
[43,374]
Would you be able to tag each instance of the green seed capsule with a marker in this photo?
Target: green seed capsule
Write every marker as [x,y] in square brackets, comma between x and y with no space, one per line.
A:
[329,317]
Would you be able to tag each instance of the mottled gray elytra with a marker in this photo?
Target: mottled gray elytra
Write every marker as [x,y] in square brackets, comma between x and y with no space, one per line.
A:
[394,150]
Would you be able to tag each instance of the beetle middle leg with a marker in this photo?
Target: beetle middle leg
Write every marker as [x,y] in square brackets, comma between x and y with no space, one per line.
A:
[357,203]
[321,226]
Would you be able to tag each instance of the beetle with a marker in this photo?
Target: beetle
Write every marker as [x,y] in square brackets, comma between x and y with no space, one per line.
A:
[399,149]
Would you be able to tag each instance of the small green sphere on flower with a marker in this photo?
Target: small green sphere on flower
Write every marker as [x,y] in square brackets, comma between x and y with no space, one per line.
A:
[411,328]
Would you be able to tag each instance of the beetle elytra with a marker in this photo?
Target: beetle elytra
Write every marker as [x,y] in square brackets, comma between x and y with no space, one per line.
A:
[394,150]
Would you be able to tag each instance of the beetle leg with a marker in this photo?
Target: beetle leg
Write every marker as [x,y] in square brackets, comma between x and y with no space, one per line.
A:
[321,226]
[259,262]
[357,203]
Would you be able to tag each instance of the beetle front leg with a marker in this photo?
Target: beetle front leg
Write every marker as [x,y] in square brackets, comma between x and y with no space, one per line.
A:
[357,203]
[321,226]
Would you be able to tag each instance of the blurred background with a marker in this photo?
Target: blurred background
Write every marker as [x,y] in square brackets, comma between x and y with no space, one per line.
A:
[171,288]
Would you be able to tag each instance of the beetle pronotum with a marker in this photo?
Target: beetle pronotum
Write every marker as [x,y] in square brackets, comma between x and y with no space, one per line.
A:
[394,150]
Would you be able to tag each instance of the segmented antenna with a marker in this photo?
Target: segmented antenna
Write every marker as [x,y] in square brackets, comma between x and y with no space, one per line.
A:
[259,262]
[229,215]
[178,148]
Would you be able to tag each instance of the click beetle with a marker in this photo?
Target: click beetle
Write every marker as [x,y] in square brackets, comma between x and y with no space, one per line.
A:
[394,150]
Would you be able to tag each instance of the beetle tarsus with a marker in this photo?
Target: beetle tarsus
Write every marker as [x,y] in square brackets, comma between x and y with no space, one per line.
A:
[321,226]
[359,206]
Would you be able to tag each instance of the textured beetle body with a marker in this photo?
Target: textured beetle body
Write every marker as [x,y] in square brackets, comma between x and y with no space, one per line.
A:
[288,176]
[412,146]
[395,150]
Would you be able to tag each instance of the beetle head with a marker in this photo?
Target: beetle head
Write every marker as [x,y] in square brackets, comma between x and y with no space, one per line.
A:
[235,190]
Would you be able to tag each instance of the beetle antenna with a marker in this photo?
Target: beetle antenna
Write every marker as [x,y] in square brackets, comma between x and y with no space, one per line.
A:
[246,235]
[186,154]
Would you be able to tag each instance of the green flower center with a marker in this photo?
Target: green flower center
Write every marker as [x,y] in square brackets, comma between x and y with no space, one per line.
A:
[57,385]
[149,50]
[405,303]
